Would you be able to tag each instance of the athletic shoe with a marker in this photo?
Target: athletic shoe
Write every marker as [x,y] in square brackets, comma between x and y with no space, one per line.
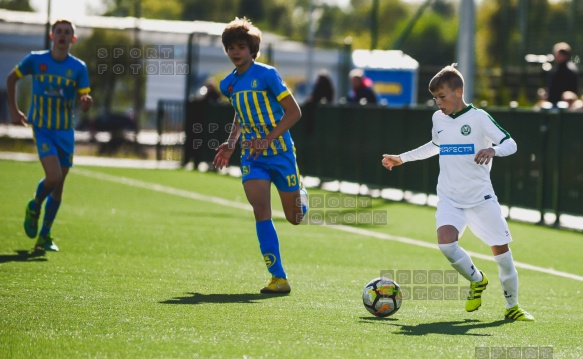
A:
[277,286]
[517,313]
[45,243]
[475,297]
[31,221]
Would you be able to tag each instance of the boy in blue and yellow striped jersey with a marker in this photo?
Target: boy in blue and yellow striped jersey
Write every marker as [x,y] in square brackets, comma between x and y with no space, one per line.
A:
[57,77]
[265,110]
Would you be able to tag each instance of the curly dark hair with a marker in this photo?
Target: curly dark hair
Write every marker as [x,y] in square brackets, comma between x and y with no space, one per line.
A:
[242,30]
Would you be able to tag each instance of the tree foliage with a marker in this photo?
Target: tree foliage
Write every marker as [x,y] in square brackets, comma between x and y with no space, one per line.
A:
[106,82]
[506,30]
[16,5]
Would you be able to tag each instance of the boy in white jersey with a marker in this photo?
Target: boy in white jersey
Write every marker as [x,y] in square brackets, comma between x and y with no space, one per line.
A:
[466,140]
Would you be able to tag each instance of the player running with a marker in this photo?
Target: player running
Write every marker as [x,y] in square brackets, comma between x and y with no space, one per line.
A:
[265,110]
[466,140]
[57,78]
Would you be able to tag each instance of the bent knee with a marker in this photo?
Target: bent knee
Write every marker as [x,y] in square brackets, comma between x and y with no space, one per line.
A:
[295,218]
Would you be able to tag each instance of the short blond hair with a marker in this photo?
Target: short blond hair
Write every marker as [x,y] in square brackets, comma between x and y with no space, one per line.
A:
[448,76]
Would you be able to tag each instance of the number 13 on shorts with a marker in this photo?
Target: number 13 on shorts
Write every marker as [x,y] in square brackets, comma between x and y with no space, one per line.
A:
[292,180]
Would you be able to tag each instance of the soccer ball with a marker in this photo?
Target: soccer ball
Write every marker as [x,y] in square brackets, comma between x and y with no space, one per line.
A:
[382,297]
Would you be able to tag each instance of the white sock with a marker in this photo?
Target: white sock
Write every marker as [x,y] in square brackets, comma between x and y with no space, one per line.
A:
[508,278]
[461,261]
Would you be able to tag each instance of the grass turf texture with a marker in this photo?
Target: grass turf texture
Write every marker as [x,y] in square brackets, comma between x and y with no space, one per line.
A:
[146,273]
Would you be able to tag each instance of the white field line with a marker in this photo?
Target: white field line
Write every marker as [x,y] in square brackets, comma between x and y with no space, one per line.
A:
[245,206]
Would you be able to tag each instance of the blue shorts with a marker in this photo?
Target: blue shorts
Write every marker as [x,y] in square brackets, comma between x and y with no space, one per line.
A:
[281,169]
[60,143]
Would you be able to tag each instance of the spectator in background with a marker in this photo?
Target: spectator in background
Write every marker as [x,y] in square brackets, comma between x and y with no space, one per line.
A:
[362,92]
[196,122]
[571,101]
[568,100]
[323,92]
[564,75]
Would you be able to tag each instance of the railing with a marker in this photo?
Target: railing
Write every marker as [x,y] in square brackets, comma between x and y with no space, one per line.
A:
[347,142]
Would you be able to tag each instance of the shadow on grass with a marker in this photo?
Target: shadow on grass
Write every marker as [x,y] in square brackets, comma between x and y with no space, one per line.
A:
[378,319]
[460,327]
[206,214]
[23,256]
[198,298]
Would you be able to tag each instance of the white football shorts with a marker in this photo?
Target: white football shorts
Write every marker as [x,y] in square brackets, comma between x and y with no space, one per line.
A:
[485,221]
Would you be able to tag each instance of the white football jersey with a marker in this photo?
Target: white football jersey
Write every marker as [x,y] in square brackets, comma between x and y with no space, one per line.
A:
[463,182]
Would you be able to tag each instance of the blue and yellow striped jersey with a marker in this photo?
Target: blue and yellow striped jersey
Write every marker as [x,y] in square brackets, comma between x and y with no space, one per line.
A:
[255,96]
[55,85]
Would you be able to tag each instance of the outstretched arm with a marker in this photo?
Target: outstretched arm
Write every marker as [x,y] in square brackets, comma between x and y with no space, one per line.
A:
[390,161]
[420,153]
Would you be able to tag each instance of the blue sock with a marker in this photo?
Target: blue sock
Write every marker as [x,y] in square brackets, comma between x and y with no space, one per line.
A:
[269,245]
[51,209]
[41,193]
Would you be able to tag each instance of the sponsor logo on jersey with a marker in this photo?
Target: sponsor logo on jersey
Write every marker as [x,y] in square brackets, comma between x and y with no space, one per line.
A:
[467,149]
[466,130]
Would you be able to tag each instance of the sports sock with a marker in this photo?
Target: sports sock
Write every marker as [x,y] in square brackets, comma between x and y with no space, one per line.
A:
[508,278]
[41,193]
[51,209]
[269,246]
[460,261]
[304,200]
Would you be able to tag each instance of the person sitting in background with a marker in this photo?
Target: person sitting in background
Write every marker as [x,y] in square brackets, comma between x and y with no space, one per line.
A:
[323,92]
[570,101]
[362,92]
[564,75]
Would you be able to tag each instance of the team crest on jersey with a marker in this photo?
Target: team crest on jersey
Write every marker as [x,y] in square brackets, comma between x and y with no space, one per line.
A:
[44,147]
[43,67]
[69,73]
[466,130]
[254,84]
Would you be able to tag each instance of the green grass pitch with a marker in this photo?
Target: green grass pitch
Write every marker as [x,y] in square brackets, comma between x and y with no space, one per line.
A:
[165,264]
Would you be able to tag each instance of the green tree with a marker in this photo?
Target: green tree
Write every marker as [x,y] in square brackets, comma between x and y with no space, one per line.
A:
[210,10]
[151,9]
[16,5]
[330,25]
[432,42]
[252,9]
[111,89]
